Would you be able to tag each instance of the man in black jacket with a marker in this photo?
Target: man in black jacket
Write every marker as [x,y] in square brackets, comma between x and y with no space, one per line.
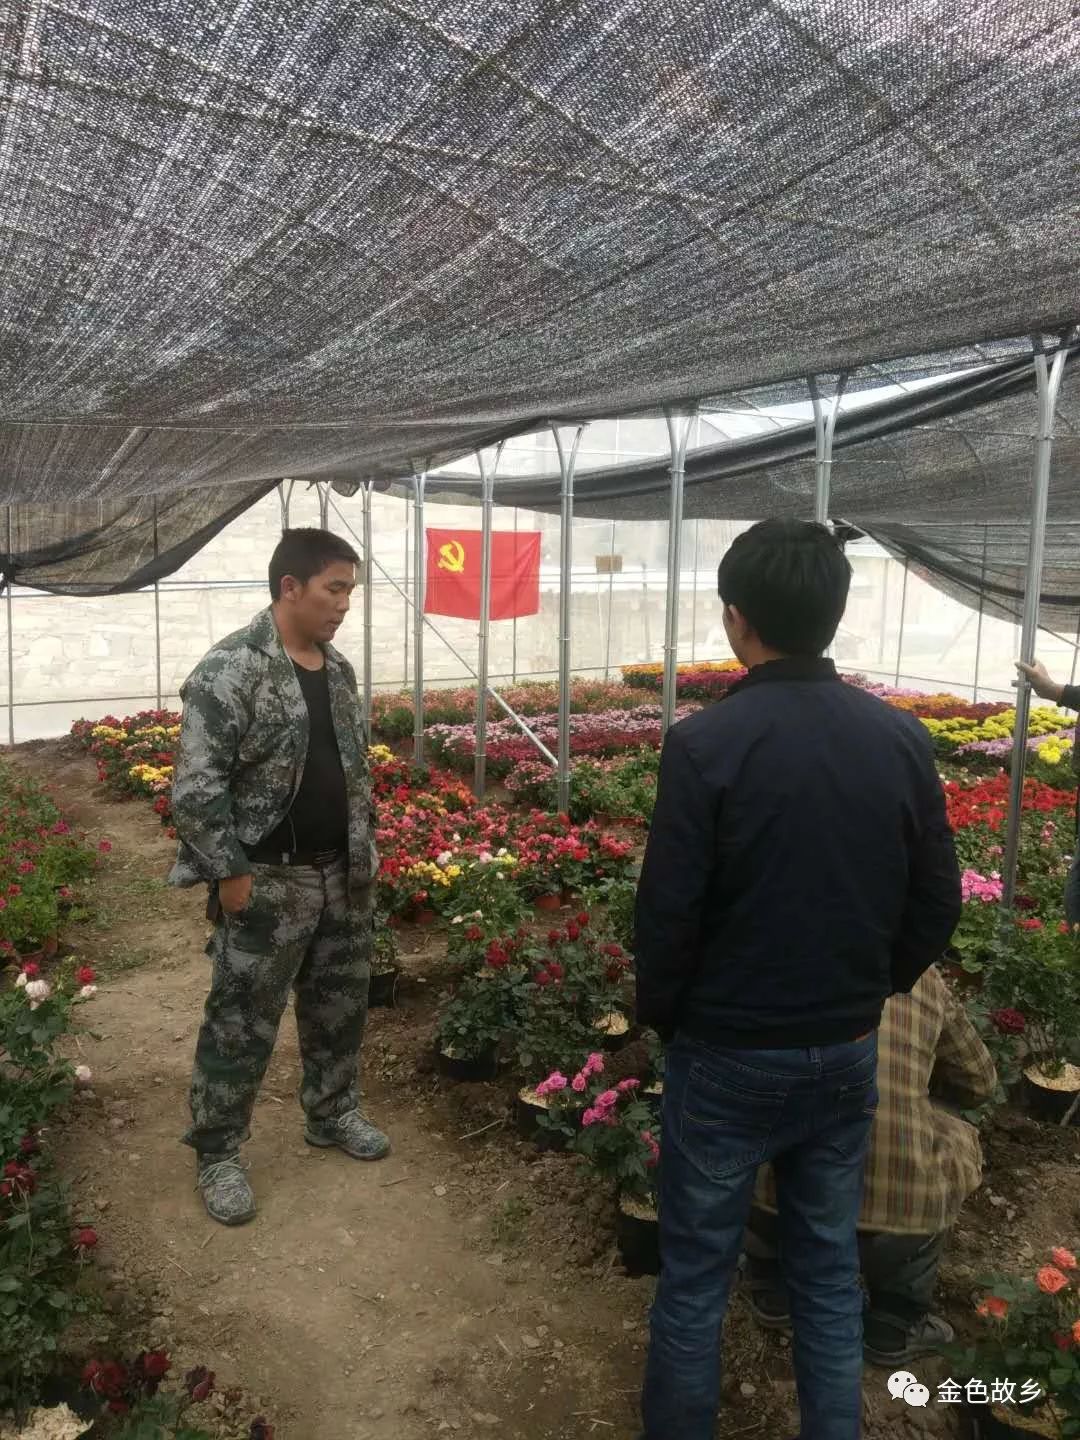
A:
[799,870]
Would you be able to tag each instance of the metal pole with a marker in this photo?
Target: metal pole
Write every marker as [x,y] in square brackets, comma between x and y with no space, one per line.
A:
[567,464]
[678,437]
[369,569]
[157,612]
[903,616]
[610,601]
[324,506]
[1076,652]
[10,629]
[982,611]
[513,635]
[487,478]
[418,619]
[693,601]
[1048,385]
[285,500]
[824,430]
[405,630]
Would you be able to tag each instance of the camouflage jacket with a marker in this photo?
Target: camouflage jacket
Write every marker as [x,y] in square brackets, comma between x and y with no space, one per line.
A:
[242,750]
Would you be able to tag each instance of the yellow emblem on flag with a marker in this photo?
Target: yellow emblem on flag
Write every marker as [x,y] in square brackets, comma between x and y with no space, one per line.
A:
[452,557]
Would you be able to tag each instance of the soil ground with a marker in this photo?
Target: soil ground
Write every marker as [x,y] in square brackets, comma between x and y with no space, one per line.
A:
[464,1286]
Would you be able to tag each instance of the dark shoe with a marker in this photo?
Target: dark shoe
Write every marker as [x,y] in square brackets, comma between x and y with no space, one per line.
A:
[350,1132]
[929,1336]
[768,1311]
[228,1197]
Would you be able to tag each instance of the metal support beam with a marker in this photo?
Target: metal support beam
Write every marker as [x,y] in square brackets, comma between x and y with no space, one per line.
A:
[982,616]
[368,573]
[567,465]
[610,603]
[903,617]
[488,467]
[1048,385]
[285,489]
[678,438]
[418,618]
[10,628]
[324,505]
[157,612]
[824,430]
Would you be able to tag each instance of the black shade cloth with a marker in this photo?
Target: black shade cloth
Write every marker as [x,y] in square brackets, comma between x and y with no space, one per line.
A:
[105,547]
[241,241]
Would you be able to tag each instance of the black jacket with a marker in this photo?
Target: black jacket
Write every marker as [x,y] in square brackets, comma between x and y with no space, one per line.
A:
[799,867]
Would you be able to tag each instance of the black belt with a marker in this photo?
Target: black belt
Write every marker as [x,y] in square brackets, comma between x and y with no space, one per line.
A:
[319,859]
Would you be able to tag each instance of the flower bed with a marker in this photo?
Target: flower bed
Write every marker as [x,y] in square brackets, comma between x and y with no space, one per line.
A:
[706,680]
[43,864]
[393,718]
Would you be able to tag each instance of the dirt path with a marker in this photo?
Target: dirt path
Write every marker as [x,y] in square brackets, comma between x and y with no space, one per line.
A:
[365,1302]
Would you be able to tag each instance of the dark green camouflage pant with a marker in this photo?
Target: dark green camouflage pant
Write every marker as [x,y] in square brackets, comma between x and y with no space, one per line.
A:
[298,932]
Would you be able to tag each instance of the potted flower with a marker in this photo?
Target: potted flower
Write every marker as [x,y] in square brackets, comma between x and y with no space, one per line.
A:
[382,987]
[1036,977]
[29,914]
[612,1127]
[481,1010]
[1026,1367]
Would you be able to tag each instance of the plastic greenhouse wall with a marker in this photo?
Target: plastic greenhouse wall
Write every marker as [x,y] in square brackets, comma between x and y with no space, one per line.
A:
[76,657]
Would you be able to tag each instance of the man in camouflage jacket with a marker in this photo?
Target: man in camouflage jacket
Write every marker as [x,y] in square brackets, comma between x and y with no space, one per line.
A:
[273,809]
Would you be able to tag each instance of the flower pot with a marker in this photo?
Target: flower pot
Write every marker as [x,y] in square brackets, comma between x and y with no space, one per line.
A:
[637,1233]
[653,1096]
[465,1067]
[31,957]
[425,916]
[546,903]
[1002,1422]
[382,989]
[1050,1097]
[966,979]
[613,1030]
[527,1111]
[51,946]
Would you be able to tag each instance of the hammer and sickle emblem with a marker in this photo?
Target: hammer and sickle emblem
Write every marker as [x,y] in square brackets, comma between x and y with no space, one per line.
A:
[452,557]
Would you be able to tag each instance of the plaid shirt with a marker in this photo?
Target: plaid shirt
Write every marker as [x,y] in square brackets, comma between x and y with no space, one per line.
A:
[924,1160]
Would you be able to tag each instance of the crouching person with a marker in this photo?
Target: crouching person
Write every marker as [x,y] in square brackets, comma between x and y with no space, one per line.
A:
[924,1161]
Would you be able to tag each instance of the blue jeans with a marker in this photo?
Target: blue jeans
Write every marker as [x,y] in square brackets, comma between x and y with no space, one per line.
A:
[725,1113]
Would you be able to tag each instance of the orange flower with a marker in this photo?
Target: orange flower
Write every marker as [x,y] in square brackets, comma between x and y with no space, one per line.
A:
[994,1308]
[1050,1281]
[1076,1332]
[1063,1259]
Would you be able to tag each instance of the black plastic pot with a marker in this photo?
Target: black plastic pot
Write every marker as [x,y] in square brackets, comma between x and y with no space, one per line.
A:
[1049,1105]
[986,1425]
[463,1067]
[638,1241]
[527,1117]
[382,989]
[613,1043]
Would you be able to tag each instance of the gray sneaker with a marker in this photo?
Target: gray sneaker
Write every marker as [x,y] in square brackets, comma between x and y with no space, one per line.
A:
[349,1132]
[228,1197]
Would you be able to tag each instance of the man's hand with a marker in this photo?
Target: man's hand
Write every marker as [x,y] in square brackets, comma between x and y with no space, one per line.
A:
[1041,683]
[234,893]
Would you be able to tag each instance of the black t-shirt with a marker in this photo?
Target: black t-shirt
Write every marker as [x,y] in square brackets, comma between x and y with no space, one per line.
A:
[319,818]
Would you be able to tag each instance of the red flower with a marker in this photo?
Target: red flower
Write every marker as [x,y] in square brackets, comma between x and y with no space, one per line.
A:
[496,956]
[555,937]
[31,970]
[86,1238]
[155,1364]
[26,868]
[572,931]
[90,1373]
[29,1145]
[555,970]
[1031,924]
[1063,1342]
[105,846]
[199,1382]
[583,919]
[85,975]
[473,933]
[119,1407]
[542,978]
[1009,1022]
[612,949]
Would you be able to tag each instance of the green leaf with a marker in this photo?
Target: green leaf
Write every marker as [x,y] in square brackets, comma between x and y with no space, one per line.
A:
[9,1283]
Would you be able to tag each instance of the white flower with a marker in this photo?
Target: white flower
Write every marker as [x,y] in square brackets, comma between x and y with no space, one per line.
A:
[21,982]
[87,992]
[37,991]
[500,876]
[445,858]
[456,838]
[457,919]
[83,1075]
[502,851]
[484,858]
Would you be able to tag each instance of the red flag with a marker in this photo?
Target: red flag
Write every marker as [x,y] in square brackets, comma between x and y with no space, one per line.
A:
[453,573]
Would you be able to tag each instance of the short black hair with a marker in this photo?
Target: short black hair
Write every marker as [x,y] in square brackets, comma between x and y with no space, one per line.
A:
[306,552]
[789,579]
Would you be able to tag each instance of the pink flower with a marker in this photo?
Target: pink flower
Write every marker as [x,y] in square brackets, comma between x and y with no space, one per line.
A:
[105,846]
[578,1083]
[1050,1281]
[1063,1259]
[1031,924]
[605,1101]
[554,1082]
[88,992]
[83,1076]
[591,1116]
[594,1065]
